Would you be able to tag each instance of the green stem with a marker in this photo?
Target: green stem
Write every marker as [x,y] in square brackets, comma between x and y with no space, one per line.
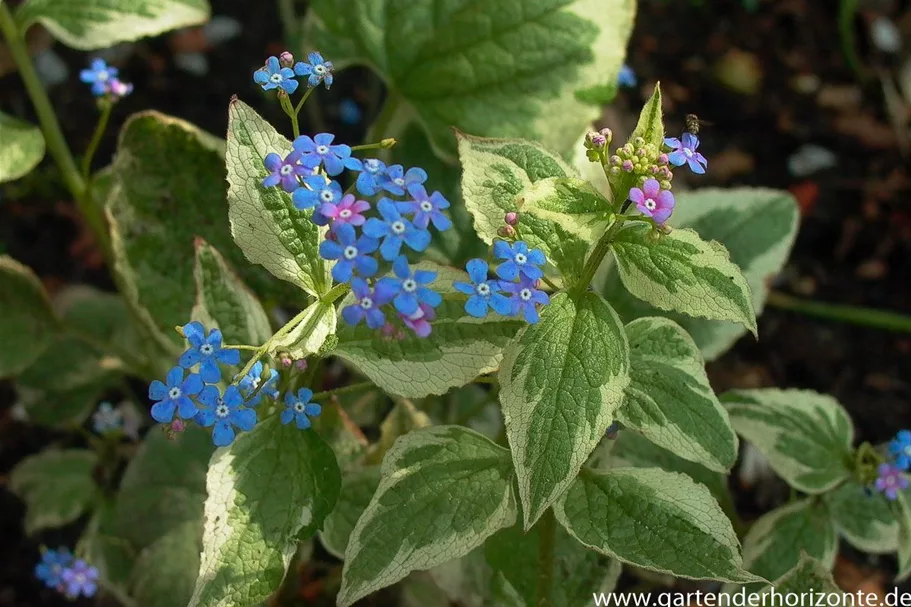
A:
[334,293]
[50,127]
[96,139]
[385,144]
[546,540]
[240,347]
[868,317]
[363,386]
[300,104]
[598,254]
[550,283]
[263,349]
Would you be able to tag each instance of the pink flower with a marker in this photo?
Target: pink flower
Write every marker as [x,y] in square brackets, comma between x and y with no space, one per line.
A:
[419,322]
[349,210]
[890,481]
[652,201]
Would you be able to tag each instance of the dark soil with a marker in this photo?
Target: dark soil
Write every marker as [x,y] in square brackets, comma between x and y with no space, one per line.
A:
[853,246]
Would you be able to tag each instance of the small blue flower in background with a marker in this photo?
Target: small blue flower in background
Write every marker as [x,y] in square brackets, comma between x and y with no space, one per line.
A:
[284,172]
[53,564]
[483,292]
[524,297]
[299,407]
[372,171]
[349,112]
[80,579]
[318,70]
[410,289]
[900,449]
[626,77]
[98,75]
[106,418]
[175,395]
[224,412]
[890,481]
[519,260]
[250,385]
[395,180]
[426,209]
[351,253]
[367,304]
[319,191]
[684,152]
[273,76]
[207,351]
[394,230]
[319,150]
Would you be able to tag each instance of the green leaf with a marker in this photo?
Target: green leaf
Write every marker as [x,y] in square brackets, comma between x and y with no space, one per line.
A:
[358,487]
[903,514]
[561,382]
[683,273]
[104,549]
[519,71]
[164,486]
[498,175]
[579,571]
[104,319]
[56,486]
[806,436]
[442,473]
[95,24]
[264,222]
[633,449]
[310,334]
[756,225]
[669,398]
[459,349]
[22,148]
[343,435]
[168,188]
[776,541]
[224,301]
[574,204]
[661,521]
[27,323]
[272,487]
[166,571]
[864,519]
[651,128]
[808,575]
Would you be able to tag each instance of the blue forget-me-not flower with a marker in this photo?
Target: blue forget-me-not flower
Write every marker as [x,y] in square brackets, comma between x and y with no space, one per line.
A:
[299,408]
[98,75]
[483,293]
[273,76]
[320,150]
[519,260]
[207,351]
[410,288]
[352,253]
[394,230]
[175,395]
[367,304]
[224,412]
[318,70]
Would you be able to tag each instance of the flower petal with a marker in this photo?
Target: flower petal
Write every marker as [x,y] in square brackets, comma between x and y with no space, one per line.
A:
[477,270]
[223,435]
[476,306]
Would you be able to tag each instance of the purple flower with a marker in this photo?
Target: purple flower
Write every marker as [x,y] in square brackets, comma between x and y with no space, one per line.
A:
[80,579]
[652,201]
[420,320]
[626,77]
[284,172]
[98,75]
[685,152]
[410,289]
[317,190]
[426,209]
[890,481]
[351,253]
[395,180]
[523,297]
[519,260]
[394,230]
[318,70]
[300,409]
[273,76]
[118,89]
[207,351]
[367,304]
[372,171]
[900,448]
[224,412]
[53,564]
[348,211]
[483,292]
[319,150]
[174,395]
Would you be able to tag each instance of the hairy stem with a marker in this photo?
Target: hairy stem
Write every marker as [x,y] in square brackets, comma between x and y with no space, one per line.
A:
[100,128]
[867,317]
[546,541]
[263,349]
[598,254]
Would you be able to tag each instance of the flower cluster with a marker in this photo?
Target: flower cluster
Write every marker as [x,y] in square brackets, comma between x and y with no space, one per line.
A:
[104,81]
[191,391]
[644,160]
[890,479]
[73,577]
[282,72]
[516,291]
